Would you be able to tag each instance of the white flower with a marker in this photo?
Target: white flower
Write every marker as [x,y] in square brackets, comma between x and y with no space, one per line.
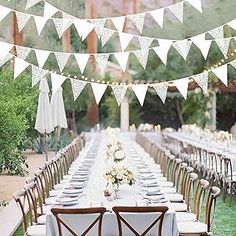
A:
[119,155]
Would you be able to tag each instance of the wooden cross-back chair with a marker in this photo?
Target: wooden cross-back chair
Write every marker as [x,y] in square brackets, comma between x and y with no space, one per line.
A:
[140,210]
[58,212]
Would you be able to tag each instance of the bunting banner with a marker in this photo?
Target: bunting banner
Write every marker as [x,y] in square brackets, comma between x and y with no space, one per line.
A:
[223,45]
[82,60]
[202,81]
[142,56]
[221,73]
[140,91]
[119,92]
[19,66]
[57,81]
[62,59]
[163,49]
[138,20]
[31,3]
[182,47]
[125,40]
[101,60]
[4,12]
[182,86]
[37,74]
[158,16]
[22,20]
[77,87]
[122,58]
[40,23]
[161,90]
[177,10]
[202,44]
[98,91]
[41,56]
[118,22]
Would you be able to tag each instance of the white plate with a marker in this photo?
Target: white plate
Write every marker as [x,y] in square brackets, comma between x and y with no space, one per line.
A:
[72,191]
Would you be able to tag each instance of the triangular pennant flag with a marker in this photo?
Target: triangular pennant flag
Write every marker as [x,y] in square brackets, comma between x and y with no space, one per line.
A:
[4,12]
[67,16]
[182,47]
[49,10]
[122,58]
[119,92]
[140,91]
[232,24]
[202,80]
[19,66]
[99,25]
[125,40]
[31,3]
[217,33]
[102,60]
[62,59]
[57,81]
[233,63]
[196,3]
[202,44]
[223,45]
[37,74]
[182,86]
[98,91]
[77,87]
[6,59]
[163,49]
[158,16]
[41,56]
[40,23]
[82,60]
[142,56]
[177,10]
[22,20]
[106,35]
[118,22]
[22,52]
[4,49]
[221,73]
[62,25]
[138,20]
[83,28]
[161,90]
[145,42]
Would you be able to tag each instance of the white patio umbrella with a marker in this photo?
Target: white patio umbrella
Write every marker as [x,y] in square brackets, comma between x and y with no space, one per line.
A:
[44,123]
[58,113]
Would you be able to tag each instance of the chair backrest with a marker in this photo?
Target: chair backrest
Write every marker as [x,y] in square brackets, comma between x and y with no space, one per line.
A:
[59,212]
[140,210]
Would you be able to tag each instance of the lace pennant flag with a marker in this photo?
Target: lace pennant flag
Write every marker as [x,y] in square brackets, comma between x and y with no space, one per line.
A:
[41,56]
[140,91]
[221,73]
[202,80]
[62,25]
[145,42]
[161,90]
[83,28]
[163,49]
[98,91]
[118,22]
[196,3]
[62,59]
[102,60]
[125,40]
[77,87]
[31,3]
[182,47]
[57,81]
[177,10]
[22,20]
[223,45]
[142,56]
[232,24]
[4,49]
[106,35]
[99,25]
[182,86]
[217,33]
[233,63]
[82,60]
[40,23]
[49,10]
[4,12]
[19,66]
[119,92]
[37,74]
[122,58]
[22,52]
[6,59]
[138,20]
[158,16]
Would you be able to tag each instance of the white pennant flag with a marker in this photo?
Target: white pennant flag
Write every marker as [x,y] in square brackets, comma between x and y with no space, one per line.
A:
[158,16]
[202,80]
[22,20]
[118,22]
[4,12]
[77,87]
[102,59]
[19,66]
[221,73]
[142,56]
[82,60]
[119,92]
[145,42]
[138,20]
[196,3]
[62,25]
[177,10]
[100,23]
[217,33]
[202,44]
[106,35]
[57,81]
[223,45]
[125,40]
[6,59]
[182,86]
[122,58]
[83,28]
[232,24]
[163,49]
[62,59]
[4,50]
[182,47]
[233,63]
[140,91]
[41,56]
[22,52]
[49,10]
[161,90]
[40,23]
[98,91]
[37,74]
[31,3]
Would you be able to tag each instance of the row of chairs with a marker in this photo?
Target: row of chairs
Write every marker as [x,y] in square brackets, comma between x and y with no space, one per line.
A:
[187,206]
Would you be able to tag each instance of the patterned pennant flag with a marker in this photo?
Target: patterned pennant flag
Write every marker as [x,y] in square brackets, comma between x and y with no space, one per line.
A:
[138,20]
[142,56]
[62,59]
[37,74]
[22,20]
[177,10]
[77,87]
[202,80]
[161,90]
[119,92]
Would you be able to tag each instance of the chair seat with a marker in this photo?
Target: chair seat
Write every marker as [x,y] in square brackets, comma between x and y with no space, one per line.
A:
[175,197]
[36,230]
[185,217]
[58,186]
[42,219]
[169,190]
[179,206]
[191,227]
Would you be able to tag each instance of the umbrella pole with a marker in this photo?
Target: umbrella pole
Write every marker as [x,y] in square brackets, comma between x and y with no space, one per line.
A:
[58,137]
[46,146]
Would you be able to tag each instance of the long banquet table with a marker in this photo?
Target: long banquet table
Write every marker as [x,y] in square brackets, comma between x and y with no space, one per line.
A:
[92,161]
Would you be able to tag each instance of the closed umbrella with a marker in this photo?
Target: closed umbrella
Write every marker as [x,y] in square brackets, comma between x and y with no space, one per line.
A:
[44,123]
